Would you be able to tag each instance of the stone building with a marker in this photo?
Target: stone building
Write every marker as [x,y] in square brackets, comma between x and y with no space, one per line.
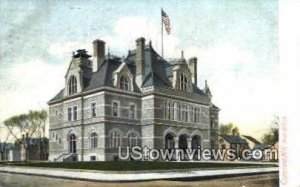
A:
[141,99]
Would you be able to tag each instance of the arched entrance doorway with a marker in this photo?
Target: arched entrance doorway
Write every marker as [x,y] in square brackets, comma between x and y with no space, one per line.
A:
[72,143]
[183,146]
[196,144]
[169,141]
[170,144]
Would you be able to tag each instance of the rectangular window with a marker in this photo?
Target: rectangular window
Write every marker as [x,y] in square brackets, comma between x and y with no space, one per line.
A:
[169,110]
[93,109]
[132,111]
[198,115]
[195,115]
[115,108]
[211,123]
[183,113]
[166,110]
[179,112]
[172,111]
[192,114]
[74,113]
[93,158]
[69,114]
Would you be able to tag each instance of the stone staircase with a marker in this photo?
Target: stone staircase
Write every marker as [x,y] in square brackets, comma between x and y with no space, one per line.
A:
[66,157]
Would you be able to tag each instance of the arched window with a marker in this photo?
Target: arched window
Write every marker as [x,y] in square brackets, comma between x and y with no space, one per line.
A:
[183,83]
[115,138]
[124,84]
[94,140]
[132,139]
[72,85]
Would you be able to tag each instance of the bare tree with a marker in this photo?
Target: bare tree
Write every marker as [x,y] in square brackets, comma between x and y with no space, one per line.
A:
[272,136]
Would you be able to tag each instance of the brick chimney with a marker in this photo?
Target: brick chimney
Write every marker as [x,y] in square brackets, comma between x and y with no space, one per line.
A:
[193,68]
[99,54]
[140,60]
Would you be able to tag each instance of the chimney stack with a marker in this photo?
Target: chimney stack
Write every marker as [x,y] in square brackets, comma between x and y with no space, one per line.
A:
[140,60]
[193,68]
[99,54]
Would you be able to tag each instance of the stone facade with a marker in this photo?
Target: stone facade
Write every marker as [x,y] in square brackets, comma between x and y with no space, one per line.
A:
[138,100]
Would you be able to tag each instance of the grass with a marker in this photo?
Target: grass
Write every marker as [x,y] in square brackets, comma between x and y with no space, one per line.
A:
[137,165]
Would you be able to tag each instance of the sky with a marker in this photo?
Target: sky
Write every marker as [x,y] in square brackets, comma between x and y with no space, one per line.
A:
[236,43]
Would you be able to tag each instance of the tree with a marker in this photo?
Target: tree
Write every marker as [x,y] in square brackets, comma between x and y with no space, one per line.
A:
[272,136]
[32,124]
[228,129]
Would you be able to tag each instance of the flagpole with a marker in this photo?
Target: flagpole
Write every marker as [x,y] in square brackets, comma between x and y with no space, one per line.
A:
[162,36]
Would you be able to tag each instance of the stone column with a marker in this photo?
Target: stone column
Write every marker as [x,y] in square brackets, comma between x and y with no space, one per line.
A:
[189,142]
[176,146]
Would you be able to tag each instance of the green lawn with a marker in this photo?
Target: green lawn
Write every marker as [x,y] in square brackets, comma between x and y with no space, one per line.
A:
[138,165]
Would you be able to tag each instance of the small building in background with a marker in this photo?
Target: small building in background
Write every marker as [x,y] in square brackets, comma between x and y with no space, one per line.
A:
[14,155]
[5,149]
[233,142]
[33,148]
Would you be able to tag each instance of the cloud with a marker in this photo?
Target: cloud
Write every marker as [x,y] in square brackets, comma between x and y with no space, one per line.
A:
[241,83]
[128,29]
[242,87]
[31,84]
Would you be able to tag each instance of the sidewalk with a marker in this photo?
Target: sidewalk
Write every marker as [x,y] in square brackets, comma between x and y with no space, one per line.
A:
[106,176]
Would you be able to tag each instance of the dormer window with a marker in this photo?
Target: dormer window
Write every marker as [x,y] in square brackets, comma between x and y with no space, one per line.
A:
[124,84]
[72,85]
[183,83]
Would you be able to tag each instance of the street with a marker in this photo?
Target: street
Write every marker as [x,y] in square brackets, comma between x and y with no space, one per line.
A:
[16,180]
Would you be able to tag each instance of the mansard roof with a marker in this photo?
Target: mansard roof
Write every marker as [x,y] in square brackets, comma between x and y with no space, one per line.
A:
[158,72]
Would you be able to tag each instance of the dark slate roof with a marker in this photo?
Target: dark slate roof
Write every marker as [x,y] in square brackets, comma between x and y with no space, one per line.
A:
[103,77]
[215,107]
[261,146]
[250,138]
[233,139]
[157,71]
[58,96]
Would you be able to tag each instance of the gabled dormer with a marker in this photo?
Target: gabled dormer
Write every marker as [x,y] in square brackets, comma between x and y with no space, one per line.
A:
[182,78]
[123,78]
[79,73]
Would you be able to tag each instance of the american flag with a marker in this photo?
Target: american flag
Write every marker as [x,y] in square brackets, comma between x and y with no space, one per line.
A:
[166,21]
